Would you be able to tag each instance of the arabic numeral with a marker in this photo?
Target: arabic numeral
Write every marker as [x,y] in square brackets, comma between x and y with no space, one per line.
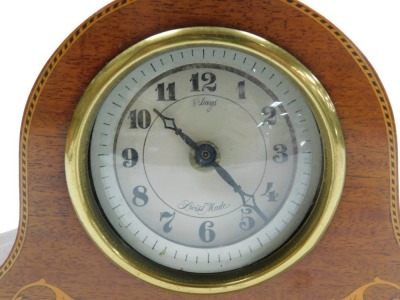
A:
[270,192]
[206,233]
[247,222]
[140,198]
[281,155]
[270,115]
[241,89]
[209,79]
[139,119]
[170,217]
[130,157]
[170,91]
[195,82]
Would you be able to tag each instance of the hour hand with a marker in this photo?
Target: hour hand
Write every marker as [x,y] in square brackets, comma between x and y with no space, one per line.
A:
[169,123]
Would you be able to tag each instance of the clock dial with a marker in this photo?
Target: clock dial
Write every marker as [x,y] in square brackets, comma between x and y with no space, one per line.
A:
[205,158]
[205,151]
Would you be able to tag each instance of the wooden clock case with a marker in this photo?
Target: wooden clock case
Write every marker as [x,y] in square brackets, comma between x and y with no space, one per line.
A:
[358,256]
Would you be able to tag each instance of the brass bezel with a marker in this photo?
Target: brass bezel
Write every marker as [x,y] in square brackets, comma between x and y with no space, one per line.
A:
[92,219]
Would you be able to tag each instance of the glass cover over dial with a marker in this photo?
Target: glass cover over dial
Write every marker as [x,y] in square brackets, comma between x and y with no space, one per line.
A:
[205,157]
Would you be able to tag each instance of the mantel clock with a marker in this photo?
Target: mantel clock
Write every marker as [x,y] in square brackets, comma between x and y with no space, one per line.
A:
[170,149]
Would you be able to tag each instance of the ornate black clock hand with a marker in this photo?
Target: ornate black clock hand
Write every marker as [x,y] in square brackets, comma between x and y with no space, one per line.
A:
[250,202]
[205,155]
[169,123]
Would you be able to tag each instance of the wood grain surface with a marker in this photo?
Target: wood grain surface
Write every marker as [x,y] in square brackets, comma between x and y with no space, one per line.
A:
[54,257]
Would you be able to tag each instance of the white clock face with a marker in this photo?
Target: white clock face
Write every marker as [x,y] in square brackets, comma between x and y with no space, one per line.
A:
[205,158]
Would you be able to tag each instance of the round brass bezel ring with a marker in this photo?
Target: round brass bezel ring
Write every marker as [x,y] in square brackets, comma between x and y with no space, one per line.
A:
[89,212]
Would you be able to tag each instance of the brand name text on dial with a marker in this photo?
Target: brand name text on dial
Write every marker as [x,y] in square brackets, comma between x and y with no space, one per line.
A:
[209,104]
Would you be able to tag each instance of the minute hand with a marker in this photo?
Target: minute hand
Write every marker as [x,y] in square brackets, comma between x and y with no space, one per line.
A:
[250,202]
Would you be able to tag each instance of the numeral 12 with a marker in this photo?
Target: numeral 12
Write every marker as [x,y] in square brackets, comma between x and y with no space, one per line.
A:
[209,82]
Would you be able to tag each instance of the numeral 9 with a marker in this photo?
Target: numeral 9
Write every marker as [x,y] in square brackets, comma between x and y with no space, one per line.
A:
[130,157]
